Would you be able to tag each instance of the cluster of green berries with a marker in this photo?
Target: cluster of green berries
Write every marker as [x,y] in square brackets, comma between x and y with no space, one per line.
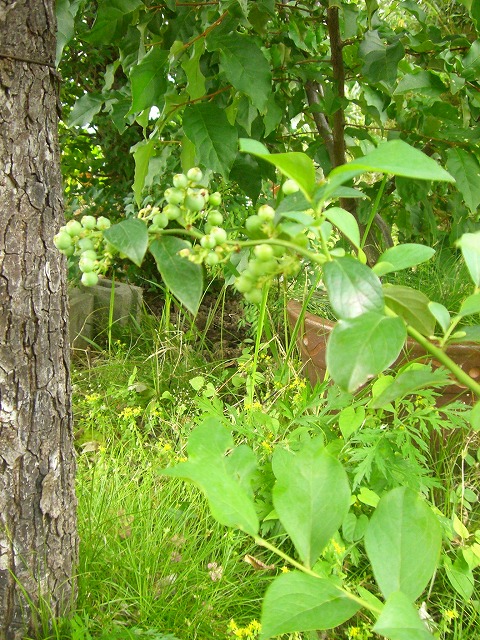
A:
[84,239]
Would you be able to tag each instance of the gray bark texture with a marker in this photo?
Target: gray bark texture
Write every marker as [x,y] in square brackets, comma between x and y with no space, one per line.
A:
[38,540]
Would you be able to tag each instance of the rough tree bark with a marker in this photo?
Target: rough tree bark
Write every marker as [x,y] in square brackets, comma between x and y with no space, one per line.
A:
[38,541]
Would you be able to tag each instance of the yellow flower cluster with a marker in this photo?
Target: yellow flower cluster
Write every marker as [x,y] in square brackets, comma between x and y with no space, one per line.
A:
[250,632]
[130,412]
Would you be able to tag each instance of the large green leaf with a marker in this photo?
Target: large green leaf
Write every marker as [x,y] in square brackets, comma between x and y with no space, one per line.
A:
[393,157]
[465,169]
[191,66]
[362,347]
[149,80]
[299,602]
[460,576]
[183,277]
[403,542]
[469,243]
[402,256]
[215,139]
[209,468]
[412,306]
[311,497]
[379,60]
[353,289]
[66,10]
[85,109]
[295,165]
[422,82]
[470,306]
[129,237]
[111,14]
[244,65]
[345,222]
[400,620]
[143,151]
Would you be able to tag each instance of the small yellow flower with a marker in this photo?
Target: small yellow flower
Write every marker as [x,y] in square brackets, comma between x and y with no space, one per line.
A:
[267,446]
[285,569]
[337,547]
[354,632]
[450,614]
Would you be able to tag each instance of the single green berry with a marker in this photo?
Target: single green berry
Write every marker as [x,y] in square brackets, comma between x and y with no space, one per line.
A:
[289,187]
[215,218]
[219,234]
[212,259]
[172,211]
[194,202]
[84,244]
[254,296]
[89,222]
[263,252]
[180,181]
[175,196]
[86,265]
[253,224]
[208,242]
[266,213]
[63,241]
[89,279]
[244,283]
[215,199]
[90,254]
[103,223]
[262,267]
[73,228]
[160,220]
[194,174]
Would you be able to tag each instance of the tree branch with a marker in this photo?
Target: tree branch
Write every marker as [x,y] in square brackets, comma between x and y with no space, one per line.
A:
[313,91]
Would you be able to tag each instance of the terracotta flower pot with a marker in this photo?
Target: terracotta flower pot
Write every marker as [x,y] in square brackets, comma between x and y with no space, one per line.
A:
[312,342]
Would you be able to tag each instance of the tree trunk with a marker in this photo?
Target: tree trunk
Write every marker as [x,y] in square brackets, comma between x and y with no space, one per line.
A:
[38,540]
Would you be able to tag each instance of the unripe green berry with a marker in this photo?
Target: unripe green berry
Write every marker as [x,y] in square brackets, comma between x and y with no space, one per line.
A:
[63,241]
[212,259]
[90,254]
[254,296]
[263,252]
[89,222]
[73,228]
[86,264]
[289,187]
[219,234]
[208,242]
[89,279]
[180,181]
[215,199]
[84,244]
[174,196]
[172,211]
[244,283]
[262,267]
[253,224]
[266,213]
[215,218]
[103,223]
[194,202]
[160,220]
[194,174]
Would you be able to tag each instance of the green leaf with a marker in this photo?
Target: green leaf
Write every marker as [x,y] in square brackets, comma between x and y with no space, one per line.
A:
[380,61]
[66,10]
[350,419]
[299,602]
[183,277]
[215,139]
[465,169]
[403,256]
[470,305]
[475,417]
[208,468]
[421,82]
[400,620]
[311,497]
[403,542]
[244,65]
[353,289]
[129,237]
[469,243]
[410,381]
[149,81]
[295,165]
[471,62]
[411,305]
[111,14]
[441,314]
[345,222]
[460,576]
[143,152]
[191,66]
[85,109]
[393,157]
[362,347]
